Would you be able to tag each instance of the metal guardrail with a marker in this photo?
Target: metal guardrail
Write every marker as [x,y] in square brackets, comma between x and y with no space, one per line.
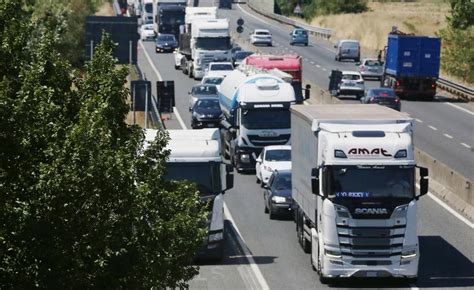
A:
[316,31]
[461,91]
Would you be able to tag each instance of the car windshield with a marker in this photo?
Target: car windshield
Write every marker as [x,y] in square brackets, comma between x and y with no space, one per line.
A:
[382,93]
[208,104]
[166,38]
[350,45]
[171,17]
[350,77]
[283,181]
[213,43]
[278,155]
[213,81]
[380,181]
[372,62]
[242,54]
[206,175]
[262,33]
[204,90]
[223,66]
[266,119]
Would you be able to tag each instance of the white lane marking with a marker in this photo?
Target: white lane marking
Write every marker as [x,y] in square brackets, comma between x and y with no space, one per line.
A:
[248,255]
[151,62]
[432,128]
[465,145]
[306,59]
[324,69]
[258,275]
[449,209]
[311,62]
[318,66]
[178,116]
[448,136]
[285,48]
[251,15]
[460,108]
[419,121]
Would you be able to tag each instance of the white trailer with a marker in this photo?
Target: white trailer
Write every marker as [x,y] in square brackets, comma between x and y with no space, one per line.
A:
[195,155]
[353,185]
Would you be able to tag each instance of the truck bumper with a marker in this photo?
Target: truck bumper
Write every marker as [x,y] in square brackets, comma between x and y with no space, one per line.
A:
[212,249]
[342,268]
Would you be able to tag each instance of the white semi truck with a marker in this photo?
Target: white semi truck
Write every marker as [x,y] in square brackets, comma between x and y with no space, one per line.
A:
[203,39]
[256,109]
[195,156]
[354,185]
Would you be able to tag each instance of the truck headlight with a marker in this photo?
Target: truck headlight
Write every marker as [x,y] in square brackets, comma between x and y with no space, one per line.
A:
[332,253]
[278,199]
[216,237]
[245,157]
[409,253]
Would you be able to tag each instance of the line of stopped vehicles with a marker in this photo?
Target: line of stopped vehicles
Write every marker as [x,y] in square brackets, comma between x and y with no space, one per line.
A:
[346,174]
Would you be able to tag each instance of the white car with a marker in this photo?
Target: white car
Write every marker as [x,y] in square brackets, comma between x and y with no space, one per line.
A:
[177,59]
[371,68]
[261,36]
[219,68]
[147,32]
[352,83]
[272,157]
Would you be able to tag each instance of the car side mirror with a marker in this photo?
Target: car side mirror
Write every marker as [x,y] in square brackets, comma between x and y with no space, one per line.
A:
[423,181]
[259,160]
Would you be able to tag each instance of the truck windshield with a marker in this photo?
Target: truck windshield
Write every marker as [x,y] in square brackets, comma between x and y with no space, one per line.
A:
[371,182]
[149,8]
[205,174]
[266,119]
[213,43]
[172,17]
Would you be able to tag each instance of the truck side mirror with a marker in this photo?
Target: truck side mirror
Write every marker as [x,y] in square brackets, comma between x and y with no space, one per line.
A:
[307,91]
[423,181]
[315,181]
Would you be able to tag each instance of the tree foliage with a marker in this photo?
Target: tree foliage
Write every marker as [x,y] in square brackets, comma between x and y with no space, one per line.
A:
[80,205]
[312,8]
[457,39]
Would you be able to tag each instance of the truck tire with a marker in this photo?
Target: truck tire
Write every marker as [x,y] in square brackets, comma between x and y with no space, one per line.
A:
[305,244]
[184,67]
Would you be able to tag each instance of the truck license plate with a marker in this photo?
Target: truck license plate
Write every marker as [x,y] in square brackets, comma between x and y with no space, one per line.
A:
[371,274]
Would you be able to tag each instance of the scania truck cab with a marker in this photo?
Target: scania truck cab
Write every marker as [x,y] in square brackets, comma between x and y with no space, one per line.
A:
[354,187]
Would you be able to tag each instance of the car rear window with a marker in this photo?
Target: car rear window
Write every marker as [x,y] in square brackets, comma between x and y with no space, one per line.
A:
[213,81]
[384,93]
[350,77]
[278,155]
[350,45]
[301,32]
[221,67]
[372,62]
[204,90]
[262,33]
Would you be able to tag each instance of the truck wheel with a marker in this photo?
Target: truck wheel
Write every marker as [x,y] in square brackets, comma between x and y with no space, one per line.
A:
[176,66]
[411,280]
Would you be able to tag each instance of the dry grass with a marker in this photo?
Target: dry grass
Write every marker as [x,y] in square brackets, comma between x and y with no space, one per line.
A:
[371,28]
[105,10]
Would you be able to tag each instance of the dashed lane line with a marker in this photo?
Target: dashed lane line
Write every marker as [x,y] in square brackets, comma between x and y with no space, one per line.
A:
[460,108]
[419,121]
[465,145]
[432,128]
[448,136]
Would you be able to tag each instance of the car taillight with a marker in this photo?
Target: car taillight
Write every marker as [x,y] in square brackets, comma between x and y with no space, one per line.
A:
[397,84]
[397,100]
[295,74]
[362,68]
[371,100]
[433,85]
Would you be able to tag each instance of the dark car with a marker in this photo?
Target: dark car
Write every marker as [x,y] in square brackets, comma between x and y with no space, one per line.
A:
[235,48]
[299,36]
[206,113]
[201,91]
[277,194]
[166,42]
[382,96]
[239,56]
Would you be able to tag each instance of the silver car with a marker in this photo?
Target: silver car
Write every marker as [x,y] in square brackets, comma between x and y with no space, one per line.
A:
[199,91]
[347,49]
[371,68]
[261,36]
[352,83]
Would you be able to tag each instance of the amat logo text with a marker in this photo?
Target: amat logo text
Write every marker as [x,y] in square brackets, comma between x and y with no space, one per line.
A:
[371,211]
[365,151]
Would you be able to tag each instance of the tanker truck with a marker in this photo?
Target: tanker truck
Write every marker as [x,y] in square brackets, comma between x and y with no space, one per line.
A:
[256,114]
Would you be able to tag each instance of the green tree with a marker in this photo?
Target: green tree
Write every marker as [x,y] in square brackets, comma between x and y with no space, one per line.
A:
[80,205]
[462,14]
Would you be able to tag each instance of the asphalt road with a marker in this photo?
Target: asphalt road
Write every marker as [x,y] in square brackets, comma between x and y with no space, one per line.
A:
[276,260]
[444,128]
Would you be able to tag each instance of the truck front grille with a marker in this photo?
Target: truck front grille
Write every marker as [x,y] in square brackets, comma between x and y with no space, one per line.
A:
[265,141]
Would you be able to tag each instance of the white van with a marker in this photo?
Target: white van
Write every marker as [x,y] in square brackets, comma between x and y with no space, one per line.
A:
[347,49]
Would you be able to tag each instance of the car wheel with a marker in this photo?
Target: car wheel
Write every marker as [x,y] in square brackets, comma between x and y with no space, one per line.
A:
[359,96]
[258,180]
[176,67]
[306,44]
[291,43]
[271,214]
